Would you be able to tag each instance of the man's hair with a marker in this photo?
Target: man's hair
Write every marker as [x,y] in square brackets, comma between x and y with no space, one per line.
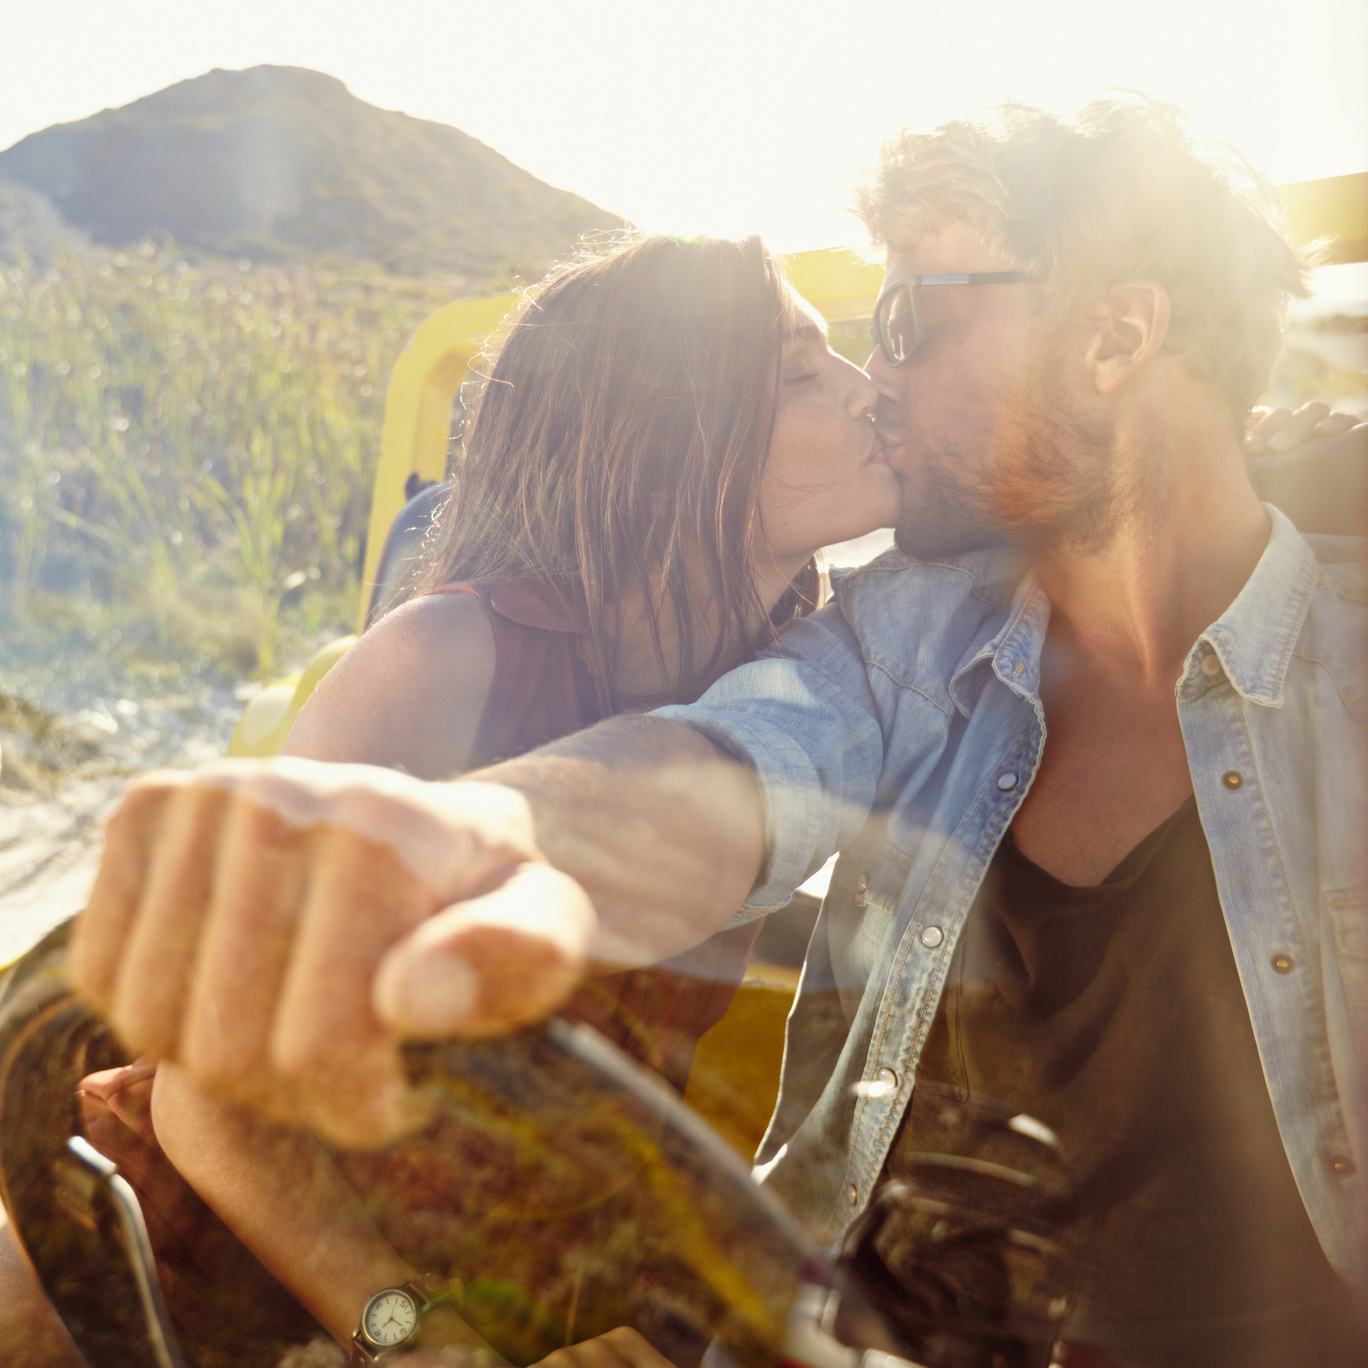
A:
[1118,193]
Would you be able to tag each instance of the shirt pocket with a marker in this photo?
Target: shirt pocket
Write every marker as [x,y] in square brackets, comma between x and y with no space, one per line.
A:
[875,876]
[1347,909]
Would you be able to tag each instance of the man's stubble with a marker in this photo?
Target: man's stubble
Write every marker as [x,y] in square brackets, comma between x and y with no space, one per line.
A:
[1036,475]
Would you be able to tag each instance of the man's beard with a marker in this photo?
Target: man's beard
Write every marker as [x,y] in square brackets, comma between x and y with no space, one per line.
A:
[1042,480]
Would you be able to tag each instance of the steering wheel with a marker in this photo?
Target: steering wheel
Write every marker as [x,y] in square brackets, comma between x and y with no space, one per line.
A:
[567,1189]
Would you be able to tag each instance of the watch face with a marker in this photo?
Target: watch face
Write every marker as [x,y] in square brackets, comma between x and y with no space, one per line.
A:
[390,1317]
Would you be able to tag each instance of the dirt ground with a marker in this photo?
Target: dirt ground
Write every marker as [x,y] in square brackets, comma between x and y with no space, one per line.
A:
[49,850]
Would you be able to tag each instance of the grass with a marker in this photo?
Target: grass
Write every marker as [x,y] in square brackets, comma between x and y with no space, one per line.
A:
[187,447]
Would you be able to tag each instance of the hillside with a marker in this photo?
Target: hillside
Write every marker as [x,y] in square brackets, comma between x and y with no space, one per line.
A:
[284,164]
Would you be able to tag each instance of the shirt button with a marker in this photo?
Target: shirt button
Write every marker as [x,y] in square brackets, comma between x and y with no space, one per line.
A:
[1007,781]
[932,937]
[1210,665]
[862,883]
[1232,779]
[888,1077]
[1342,1166]
[853,1195]
[1283,963]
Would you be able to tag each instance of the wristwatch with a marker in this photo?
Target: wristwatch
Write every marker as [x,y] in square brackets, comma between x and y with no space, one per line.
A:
[391,1319]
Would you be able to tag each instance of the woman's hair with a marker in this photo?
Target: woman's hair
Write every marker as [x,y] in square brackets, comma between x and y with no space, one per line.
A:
[614,448]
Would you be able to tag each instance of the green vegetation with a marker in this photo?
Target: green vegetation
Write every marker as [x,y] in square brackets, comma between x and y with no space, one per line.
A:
[186,447]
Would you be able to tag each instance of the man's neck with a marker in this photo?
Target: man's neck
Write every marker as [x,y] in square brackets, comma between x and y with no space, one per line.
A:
[1192,534]
[1123,620]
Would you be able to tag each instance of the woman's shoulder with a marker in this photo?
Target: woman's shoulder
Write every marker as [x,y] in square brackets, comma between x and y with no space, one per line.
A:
[410,693]
[446,633]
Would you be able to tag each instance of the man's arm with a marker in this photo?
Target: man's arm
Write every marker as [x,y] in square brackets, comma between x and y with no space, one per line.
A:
[662,828]
[241,912]
[280,926]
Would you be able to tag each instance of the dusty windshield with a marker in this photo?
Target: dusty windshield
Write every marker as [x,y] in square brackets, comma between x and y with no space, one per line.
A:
[812,813]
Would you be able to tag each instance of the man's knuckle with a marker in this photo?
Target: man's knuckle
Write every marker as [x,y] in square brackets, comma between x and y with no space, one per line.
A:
[214,1063]
[254,819]
[301,1055]
[150,1031]
[139,805]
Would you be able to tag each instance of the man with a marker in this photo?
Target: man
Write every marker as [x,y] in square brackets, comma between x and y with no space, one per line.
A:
[1098,791]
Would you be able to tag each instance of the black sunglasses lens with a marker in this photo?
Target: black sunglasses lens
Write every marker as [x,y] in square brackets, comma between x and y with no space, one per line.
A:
[896,324]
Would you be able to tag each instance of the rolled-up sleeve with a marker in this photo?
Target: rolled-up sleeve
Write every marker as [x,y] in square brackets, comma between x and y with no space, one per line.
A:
[803,717]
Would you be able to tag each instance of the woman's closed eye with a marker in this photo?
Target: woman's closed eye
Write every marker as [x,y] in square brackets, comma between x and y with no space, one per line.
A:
[804,355]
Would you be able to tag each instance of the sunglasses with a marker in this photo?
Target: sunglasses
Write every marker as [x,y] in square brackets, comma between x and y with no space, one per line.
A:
[897,322]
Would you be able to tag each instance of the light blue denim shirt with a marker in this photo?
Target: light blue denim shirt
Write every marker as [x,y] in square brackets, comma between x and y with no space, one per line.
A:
[902,726]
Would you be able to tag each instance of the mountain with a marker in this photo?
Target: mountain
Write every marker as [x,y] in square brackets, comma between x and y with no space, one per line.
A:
[282,163]
[29,224]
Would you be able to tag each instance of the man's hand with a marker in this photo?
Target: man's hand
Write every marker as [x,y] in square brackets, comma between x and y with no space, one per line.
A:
[1281,429]
[279,927]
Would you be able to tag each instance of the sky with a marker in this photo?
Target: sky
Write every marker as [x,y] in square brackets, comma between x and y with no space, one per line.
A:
[727,116]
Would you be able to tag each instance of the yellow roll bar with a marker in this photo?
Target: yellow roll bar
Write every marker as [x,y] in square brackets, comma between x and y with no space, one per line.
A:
[418,403]
[1334,210]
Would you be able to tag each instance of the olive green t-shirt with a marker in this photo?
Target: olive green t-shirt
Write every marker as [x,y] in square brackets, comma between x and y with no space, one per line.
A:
[1115,1015]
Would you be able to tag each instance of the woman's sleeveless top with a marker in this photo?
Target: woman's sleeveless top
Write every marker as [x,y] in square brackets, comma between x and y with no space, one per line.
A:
[543,689]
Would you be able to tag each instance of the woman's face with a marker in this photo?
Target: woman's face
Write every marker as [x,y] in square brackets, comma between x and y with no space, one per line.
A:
[826,480]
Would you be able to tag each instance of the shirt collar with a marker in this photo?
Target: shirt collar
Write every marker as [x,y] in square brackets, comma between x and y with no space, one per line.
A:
[1014,650]
[1253,638]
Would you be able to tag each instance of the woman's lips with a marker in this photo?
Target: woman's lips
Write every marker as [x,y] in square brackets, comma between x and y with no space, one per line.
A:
[877,454]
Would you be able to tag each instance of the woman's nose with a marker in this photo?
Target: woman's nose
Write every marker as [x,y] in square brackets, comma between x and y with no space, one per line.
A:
[863,393]
[881,375]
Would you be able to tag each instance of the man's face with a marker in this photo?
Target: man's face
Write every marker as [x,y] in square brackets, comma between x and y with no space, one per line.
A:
[982,423]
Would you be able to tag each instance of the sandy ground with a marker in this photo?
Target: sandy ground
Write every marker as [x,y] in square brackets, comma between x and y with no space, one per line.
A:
[49,849]
[102,727]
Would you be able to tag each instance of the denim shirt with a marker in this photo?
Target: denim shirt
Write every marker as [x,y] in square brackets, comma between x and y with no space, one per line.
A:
[902,726]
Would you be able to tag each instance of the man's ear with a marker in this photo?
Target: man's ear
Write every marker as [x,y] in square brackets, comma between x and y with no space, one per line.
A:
[1130,325]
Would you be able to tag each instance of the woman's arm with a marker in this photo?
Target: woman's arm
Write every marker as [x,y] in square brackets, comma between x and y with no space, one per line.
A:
[279,1192]
[409,694]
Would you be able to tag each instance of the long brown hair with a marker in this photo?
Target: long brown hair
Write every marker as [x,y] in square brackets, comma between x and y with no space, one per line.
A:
[614,448]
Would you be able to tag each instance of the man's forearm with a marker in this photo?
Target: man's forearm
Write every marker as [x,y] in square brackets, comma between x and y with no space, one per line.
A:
[279,927]
[665,832]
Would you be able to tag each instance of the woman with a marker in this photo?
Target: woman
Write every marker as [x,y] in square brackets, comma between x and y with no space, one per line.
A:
[662,443]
